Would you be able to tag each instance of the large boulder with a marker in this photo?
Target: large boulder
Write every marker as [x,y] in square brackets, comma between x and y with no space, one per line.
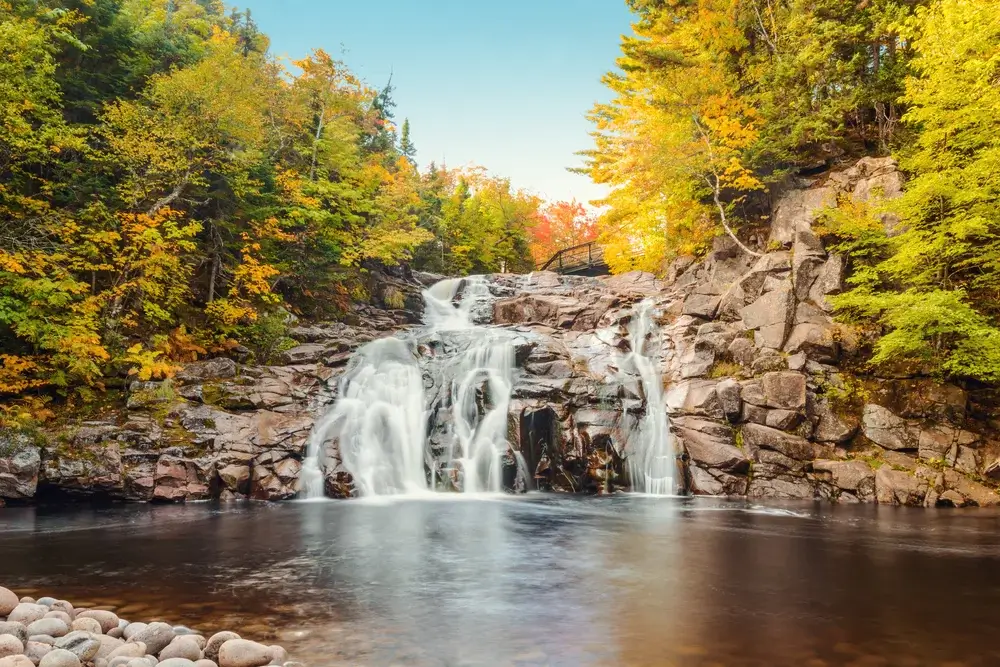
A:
[884,428]
[19,471]
[770,317]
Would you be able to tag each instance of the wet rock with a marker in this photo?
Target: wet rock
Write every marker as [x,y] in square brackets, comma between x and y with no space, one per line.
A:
[243,653]
[695,397]
[710,445]
[886,429]
[974,492]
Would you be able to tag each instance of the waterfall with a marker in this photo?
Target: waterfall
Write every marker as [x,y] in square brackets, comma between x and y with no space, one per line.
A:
[450,377]
[651,450]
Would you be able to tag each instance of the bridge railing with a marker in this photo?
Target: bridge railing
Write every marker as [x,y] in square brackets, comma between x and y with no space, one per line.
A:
[576,258]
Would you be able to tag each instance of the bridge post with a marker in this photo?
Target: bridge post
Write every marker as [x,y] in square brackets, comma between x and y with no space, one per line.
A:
[560,261]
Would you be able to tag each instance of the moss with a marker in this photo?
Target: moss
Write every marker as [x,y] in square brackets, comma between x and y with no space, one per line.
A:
[724,369]
[211,394]
[872,458]
[393,298]
[738,439]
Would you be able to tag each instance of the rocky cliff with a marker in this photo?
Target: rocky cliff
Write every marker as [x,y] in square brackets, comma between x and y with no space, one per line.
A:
[761,386]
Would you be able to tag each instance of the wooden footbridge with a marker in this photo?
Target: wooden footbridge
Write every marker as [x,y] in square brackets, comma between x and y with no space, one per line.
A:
[586,259]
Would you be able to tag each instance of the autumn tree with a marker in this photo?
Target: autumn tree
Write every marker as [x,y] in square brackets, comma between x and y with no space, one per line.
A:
[927,287]
[561,225]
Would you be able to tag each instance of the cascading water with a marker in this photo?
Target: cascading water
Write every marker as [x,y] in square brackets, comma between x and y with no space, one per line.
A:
[384,413]
[651,450]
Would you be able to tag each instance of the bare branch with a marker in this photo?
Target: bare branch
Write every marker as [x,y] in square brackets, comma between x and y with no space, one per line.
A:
[172,197]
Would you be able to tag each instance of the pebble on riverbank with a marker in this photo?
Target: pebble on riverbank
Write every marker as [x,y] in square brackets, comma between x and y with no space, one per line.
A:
[52,633]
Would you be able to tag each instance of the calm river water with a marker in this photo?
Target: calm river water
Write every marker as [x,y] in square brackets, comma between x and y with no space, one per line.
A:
[539,580]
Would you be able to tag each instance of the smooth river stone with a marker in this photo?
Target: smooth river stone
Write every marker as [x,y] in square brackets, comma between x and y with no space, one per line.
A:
[53,627]
[129,650]
[243,653]
[37,650]
[7,601]
[61,615]
[43,639]
[108,644]
[19,630]
[107,619]
[156,636]
[10,645]
[176,662]
[133,629]
[16,661]
[215,642]
[63,605]
[204,662]
[60,658]
[181,647]
[27,613]
[84,645]
[86,625]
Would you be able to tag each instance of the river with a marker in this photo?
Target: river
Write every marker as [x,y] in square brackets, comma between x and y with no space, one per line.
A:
[537,580]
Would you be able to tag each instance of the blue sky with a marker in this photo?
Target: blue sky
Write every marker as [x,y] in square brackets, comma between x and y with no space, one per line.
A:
[501,83]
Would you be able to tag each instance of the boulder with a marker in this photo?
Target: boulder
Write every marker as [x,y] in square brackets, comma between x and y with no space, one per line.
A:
[785,390]
[854,476]
[19,473]
[756,436]
[899,487]
[695,397]
[729,393]
[209,369]
[770,317]
[886,429]
[35,651]
[711,445]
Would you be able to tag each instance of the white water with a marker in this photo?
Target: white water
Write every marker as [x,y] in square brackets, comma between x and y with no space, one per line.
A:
[380,418]
[650,449]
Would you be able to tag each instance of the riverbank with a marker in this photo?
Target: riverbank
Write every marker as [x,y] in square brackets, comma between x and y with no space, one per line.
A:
[49,632]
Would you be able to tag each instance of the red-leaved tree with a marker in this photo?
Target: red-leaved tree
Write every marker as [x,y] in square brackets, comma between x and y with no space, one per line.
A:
[561,225]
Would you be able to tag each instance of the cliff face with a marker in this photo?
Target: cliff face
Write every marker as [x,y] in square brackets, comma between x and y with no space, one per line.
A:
[754,377]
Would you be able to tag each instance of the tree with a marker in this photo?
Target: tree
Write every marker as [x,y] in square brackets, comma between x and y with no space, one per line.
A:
[561,225]
[931,283]
[406,147]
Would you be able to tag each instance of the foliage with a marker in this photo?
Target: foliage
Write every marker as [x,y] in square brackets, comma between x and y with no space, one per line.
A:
[169,190]
[558,226]
[927,283]
[714,99]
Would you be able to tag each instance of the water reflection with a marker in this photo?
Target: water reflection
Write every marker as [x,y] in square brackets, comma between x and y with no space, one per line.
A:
[541,580]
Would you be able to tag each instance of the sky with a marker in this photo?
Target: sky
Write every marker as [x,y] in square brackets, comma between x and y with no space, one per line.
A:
[505,84]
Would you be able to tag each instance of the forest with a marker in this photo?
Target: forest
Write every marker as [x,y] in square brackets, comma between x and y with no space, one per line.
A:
[717,102]
[169,190]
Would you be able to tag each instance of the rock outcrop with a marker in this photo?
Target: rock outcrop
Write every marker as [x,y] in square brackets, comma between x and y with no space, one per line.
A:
[755,376]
